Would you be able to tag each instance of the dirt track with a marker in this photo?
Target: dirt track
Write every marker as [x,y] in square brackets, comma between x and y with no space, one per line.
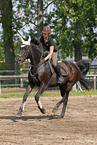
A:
[78,127]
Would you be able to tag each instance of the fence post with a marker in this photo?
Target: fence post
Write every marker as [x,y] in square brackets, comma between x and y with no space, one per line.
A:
[94,83]
[21,80]
[16,73]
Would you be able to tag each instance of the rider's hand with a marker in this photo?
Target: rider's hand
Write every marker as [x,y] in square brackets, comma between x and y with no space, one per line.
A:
[41,62]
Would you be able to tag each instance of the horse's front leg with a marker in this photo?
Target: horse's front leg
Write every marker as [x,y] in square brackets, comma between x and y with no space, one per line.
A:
[40,91]
[21,109]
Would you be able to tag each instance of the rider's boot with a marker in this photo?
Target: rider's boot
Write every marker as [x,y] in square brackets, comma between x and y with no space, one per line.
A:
[58,72]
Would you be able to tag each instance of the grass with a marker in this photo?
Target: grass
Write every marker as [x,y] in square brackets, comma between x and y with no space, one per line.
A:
[84,93]
[50,94]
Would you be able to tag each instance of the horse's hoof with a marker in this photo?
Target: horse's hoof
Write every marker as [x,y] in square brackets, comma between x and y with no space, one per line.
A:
[19,114]
[43,111]
[56,117]
[54,110]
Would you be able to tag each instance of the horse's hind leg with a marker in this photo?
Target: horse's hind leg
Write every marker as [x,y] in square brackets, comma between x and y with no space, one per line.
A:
[57,106]
[65,94]
[65,100]
[21,109]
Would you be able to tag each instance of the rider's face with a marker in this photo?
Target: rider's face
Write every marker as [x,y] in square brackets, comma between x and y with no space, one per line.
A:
[45,36]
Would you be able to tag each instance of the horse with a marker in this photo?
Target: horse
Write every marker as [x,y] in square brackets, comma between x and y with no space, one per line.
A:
[43,76]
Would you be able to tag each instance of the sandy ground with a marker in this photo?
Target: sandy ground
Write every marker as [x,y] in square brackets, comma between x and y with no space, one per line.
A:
[78,127]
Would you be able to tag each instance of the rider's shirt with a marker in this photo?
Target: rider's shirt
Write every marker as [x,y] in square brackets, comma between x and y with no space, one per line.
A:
[49,43]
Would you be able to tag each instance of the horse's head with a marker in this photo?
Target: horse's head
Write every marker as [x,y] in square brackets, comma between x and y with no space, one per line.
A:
[24,51]
[23,55]
[29,49]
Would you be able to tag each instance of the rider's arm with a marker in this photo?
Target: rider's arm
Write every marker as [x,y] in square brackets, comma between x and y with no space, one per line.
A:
[50,54]
[42,48]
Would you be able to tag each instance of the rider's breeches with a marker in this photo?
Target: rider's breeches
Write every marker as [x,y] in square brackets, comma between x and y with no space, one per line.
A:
[54,58]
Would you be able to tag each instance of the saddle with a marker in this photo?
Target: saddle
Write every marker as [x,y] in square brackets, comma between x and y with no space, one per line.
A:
[60,63]
[63,71]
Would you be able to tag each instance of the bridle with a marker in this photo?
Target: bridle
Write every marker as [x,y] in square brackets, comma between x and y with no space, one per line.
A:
[24,55]
[27,45]
[27,50]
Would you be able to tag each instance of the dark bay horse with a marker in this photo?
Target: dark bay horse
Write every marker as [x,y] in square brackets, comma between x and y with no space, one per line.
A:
[44,76]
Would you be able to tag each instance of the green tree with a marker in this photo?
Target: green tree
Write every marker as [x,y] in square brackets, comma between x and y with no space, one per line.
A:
[72,22]
[14,20]
[6,20]
[39,17]
[90,40]
[31,14]
[73,27]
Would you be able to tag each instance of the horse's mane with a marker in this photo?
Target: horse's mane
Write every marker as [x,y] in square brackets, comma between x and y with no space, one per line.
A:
[36,44]
[35,41]
[35,47]
[35,53]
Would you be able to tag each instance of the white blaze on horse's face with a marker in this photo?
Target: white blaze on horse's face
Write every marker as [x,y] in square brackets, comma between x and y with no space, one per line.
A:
[24,43]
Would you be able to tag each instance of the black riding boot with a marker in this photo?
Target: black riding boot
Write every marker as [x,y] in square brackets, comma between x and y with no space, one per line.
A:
[58,72]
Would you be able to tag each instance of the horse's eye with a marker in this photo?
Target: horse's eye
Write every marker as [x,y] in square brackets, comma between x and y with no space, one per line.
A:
[21,48]
[26,47]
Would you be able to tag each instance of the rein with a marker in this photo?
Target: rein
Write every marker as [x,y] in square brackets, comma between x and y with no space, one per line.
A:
[33,75]
[33,58]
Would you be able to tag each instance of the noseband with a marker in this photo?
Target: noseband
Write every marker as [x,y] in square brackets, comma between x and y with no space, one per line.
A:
[25,54]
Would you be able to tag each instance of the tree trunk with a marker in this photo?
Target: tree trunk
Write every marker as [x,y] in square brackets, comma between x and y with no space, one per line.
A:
[6,19]
[78,52]
[39,17]
[77,42]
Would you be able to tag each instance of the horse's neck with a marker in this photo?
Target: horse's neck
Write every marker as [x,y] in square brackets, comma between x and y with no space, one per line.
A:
[35,55]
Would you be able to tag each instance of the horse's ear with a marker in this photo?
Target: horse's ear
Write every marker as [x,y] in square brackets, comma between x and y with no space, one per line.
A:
[21,48]
[29,40]
[25,42]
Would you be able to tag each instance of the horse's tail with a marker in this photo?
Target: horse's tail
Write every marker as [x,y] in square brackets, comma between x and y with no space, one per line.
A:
[86,83]
[84,66]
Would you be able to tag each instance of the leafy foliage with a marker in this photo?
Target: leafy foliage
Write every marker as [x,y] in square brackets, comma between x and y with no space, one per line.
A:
[72,22]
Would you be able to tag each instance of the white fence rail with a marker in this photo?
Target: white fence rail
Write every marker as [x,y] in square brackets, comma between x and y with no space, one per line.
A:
[11,77]
[24,76]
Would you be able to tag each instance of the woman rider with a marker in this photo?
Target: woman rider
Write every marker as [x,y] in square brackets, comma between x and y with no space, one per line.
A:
[49,45]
